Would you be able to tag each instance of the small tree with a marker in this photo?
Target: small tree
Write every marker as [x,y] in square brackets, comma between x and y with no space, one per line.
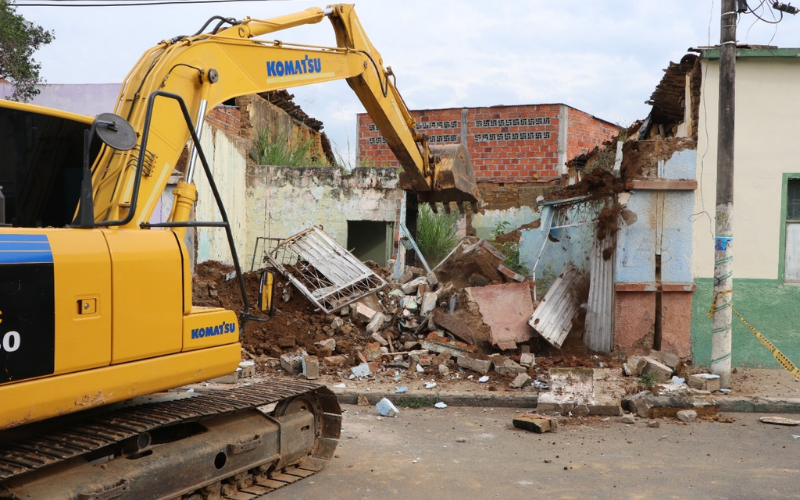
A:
[19,39]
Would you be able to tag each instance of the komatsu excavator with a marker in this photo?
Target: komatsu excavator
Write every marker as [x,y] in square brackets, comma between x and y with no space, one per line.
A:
[96,313]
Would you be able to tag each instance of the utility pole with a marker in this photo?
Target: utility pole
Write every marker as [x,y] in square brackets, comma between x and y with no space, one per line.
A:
[723,251]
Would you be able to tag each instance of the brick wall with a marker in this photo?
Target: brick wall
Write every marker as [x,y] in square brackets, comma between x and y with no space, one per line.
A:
[505,143]
[227,118]
[584,132]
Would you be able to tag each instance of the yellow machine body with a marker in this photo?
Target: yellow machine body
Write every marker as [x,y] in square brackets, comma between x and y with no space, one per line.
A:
[94,315]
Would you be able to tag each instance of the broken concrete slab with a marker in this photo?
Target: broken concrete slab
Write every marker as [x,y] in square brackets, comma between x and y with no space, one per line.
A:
[505,309]
[648,405]
[362,370]
[661,372]
[522,380]
[666,358]
[292,363]
[310,367]
[411,287]
[458,327]
[780,421]
[376,323]
[527,359]
[504,366]
[703,382]
[334,361]
[428,303]
[437,344]
[535,423]
[481,366]
[386,408]
[570,387]
[363,313]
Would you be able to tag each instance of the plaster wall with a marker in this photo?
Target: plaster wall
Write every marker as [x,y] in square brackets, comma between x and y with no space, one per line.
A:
[227,158]
[282,201]
[767,107]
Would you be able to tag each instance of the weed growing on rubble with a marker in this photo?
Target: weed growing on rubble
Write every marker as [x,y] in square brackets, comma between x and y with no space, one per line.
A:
[436,234]
[648,379]
[282,148]
[510,249]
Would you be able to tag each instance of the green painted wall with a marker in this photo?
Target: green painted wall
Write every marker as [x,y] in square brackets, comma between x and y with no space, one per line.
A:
[771,307]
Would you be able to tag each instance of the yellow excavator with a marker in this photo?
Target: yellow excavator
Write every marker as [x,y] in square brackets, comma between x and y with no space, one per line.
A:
[96,313]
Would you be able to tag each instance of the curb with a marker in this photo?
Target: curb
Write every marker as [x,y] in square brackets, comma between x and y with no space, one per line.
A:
[758,404]
[429,398]
[415,399]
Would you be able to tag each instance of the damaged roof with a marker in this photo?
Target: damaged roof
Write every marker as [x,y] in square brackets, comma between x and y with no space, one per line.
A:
[668,99]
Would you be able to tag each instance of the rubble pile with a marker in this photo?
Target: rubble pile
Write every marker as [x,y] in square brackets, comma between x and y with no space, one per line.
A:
[465,320]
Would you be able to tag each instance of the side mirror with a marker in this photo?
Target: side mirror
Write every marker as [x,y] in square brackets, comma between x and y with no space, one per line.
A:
[266,290]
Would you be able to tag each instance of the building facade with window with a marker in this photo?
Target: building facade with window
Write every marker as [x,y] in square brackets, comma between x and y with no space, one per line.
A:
[766,224]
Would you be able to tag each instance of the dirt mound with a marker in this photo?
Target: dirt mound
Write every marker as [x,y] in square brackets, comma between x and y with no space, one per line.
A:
[295,324]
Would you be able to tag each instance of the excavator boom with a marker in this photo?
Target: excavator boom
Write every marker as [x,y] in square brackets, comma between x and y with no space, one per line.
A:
[208,69]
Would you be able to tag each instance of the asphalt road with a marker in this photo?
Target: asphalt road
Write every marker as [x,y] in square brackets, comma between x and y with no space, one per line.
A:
[474,453]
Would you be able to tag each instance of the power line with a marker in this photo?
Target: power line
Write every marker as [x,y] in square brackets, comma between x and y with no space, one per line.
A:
[143,3]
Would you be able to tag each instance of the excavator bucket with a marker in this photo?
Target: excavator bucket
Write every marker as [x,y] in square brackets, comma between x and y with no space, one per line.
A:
[453,178]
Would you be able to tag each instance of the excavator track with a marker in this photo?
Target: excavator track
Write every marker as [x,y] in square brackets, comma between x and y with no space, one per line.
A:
[237,444]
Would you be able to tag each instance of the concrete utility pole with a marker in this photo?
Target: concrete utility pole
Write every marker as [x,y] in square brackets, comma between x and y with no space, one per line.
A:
[723,251]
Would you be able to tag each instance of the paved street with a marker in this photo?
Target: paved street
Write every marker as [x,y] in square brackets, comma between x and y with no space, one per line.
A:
[474,453]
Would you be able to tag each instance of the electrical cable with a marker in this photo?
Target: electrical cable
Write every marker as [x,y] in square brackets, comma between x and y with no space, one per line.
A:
[761,18]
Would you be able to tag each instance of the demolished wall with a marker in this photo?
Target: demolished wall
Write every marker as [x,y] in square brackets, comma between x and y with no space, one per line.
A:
[283,201]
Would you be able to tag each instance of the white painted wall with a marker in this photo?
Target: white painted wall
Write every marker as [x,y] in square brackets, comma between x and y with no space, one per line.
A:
[227,158]
[767,145]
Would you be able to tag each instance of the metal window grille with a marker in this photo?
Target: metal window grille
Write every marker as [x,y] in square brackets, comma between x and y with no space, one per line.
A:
[324,271]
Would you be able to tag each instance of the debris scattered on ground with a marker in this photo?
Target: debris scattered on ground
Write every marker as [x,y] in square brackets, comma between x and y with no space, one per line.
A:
[440,405]
[780,421]
[386,408]
[535,423]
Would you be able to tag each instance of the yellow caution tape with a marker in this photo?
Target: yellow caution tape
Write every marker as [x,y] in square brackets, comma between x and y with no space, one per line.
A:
[782,359]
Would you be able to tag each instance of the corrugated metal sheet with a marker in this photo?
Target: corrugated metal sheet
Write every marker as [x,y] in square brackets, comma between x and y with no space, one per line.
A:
[553,318]
[325,272]
[599,328]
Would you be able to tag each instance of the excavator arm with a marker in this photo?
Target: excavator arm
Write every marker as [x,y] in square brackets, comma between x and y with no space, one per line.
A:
[207,69]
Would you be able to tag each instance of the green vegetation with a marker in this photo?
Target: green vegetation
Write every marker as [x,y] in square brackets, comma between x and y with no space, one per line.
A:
[510,249]
[436,234]
[649,379]
[281,148]
[413,402]
[19,39]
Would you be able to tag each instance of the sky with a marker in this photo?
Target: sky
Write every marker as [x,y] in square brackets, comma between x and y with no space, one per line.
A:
[602,57]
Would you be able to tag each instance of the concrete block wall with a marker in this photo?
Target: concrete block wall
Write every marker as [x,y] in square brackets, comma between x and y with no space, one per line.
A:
[506,143]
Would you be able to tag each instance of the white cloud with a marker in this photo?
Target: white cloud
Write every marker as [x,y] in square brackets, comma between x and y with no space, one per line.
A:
[601,57]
